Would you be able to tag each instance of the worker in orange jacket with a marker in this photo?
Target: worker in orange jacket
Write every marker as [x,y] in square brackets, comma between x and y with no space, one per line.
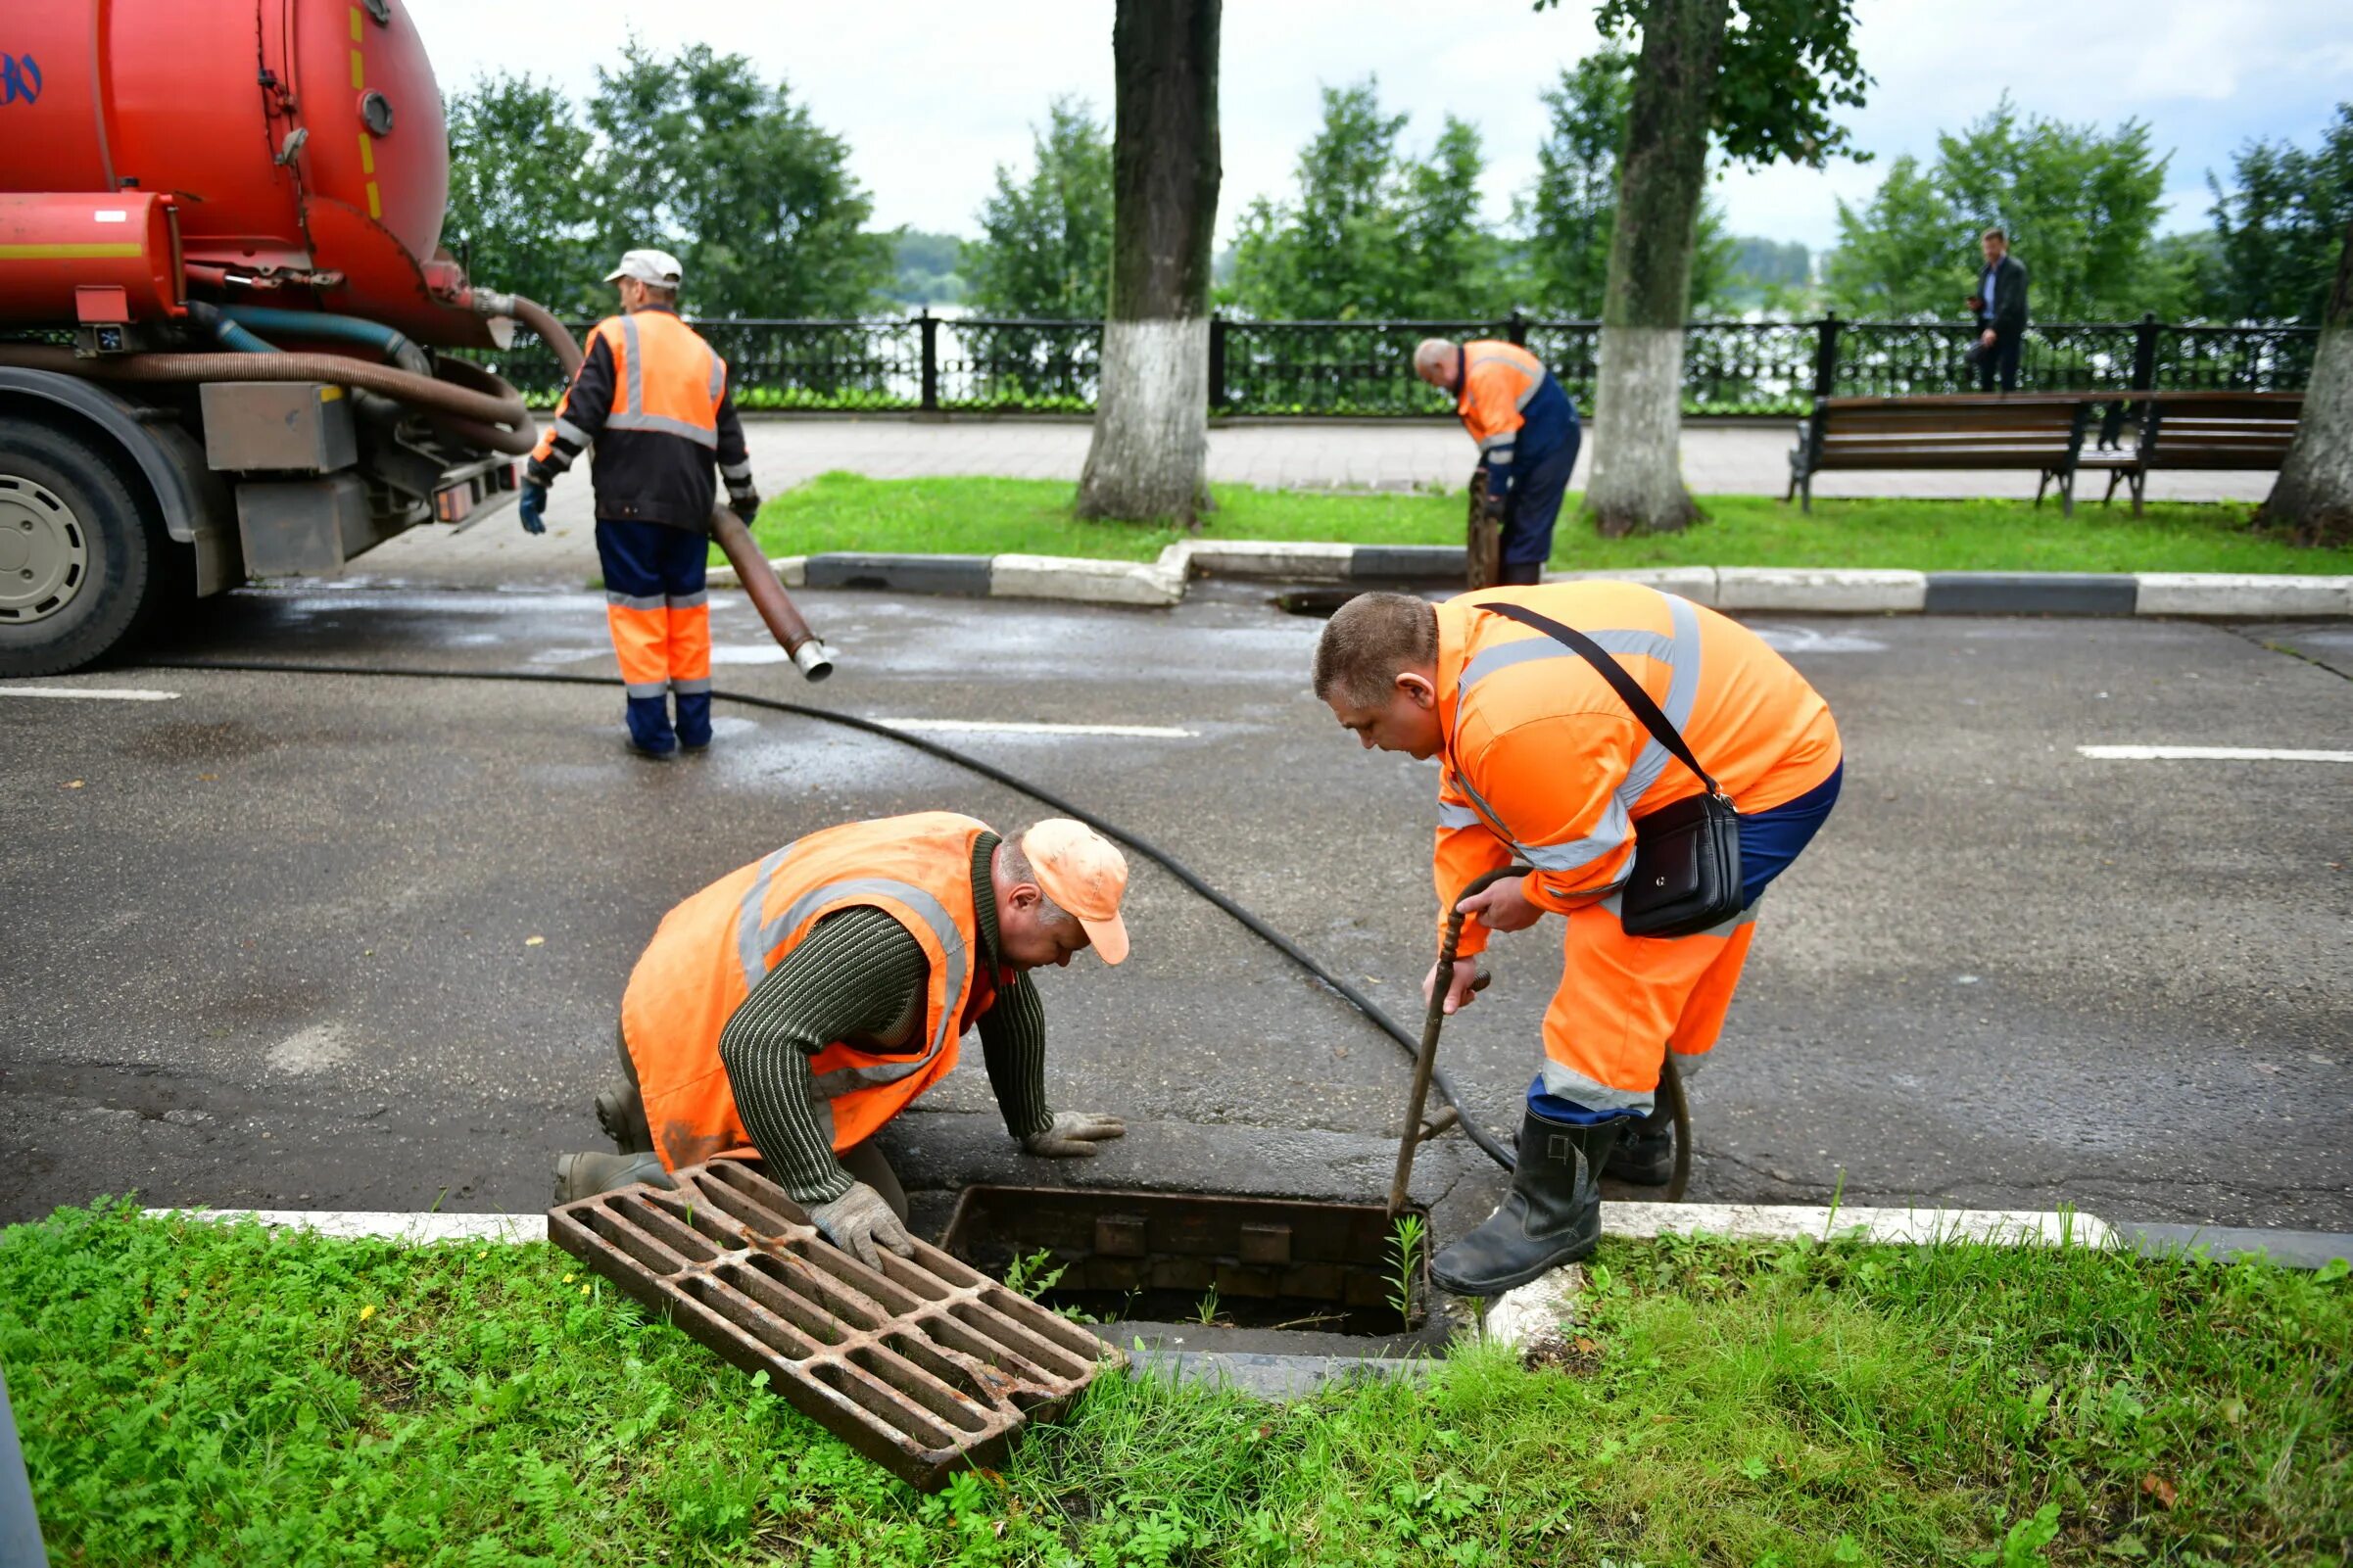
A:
[1527,432]
[653,399]
[1542,763]
[797,1004]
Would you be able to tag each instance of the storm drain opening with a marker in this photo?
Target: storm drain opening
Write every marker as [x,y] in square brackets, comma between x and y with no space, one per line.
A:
[1110,1256]
[925,1365]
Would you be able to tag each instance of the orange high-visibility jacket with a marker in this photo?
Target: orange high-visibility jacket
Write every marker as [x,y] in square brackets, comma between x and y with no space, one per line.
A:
[714,948]
[1498,381]
[1542,762]
[652,398]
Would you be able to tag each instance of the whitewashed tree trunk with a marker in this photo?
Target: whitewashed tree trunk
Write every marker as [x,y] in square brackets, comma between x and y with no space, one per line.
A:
[2313,497]
[1637,480]
[1150,456]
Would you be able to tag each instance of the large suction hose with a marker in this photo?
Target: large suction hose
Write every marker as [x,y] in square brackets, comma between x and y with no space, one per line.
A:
[761,584]
[497,406]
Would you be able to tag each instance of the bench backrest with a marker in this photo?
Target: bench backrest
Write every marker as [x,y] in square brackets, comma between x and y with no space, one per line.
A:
[2023,429]
[2218,430]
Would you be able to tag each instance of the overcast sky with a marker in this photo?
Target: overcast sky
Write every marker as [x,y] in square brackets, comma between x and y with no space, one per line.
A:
[931,96]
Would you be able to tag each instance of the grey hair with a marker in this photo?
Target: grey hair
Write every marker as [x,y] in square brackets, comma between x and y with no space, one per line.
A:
[1369,641]
[1017,868]
[1434,353]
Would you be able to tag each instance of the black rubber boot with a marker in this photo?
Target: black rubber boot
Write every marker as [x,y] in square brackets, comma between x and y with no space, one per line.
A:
[1552,1216]
[1518,574]
[1645,1156]
[584,1175]
[621,1113]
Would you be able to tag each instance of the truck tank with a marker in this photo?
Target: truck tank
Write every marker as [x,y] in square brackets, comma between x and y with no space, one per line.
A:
[301,143]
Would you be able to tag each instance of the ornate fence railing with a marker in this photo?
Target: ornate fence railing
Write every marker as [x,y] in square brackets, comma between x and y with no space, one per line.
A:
[1345,369]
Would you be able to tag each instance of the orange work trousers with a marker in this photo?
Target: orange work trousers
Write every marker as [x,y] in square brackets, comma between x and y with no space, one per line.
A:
[1626,1001]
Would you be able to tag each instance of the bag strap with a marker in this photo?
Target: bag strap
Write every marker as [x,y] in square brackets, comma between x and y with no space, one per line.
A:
[1628,688]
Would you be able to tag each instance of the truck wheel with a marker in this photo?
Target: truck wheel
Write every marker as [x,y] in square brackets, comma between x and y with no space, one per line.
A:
[81,567]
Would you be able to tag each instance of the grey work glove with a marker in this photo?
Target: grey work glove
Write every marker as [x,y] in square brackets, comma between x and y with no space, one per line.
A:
[861,1224]
[1074,1135]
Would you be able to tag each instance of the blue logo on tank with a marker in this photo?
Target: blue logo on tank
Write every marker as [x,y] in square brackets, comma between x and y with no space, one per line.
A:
[20,79]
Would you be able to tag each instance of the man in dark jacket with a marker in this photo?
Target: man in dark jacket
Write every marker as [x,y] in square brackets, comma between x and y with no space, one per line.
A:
[2000,314]
[653,399]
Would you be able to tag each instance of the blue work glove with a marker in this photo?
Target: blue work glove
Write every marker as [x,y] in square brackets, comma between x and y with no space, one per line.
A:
[531,503]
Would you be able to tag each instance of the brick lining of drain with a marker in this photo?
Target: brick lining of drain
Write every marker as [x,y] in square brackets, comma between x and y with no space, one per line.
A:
[926,1368]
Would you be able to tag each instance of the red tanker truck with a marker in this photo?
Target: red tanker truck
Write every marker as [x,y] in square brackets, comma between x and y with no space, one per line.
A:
[221,294]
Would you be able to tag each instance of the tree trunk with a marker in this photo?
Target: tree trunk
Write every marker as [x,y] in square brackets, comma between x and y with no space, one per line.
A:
[2313,497]
[1150,456]
[1637,482]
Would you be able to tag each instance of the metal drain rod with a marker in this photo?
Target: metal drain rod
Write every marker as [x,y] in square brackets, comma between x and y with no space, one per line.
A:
[1169,863]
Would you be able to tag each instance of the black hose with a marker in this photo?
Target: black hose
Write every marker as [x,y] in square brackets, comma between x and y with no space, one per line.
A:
[1142,846]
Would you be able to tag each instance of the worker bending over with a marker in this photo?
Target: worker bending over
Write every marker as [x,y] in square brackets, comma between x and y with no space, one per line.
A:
[1527,433]
[1542,763]
[653,399]
[797,1004]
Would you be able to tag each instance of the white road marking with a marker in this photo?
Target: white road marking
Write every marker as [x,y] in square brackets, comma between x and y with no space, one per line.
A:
[97,694]
[1132,731]
[2209,755]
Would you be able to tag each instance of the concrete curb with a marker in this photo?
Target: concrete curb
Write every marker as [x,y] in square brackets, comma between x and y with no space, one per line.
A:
[1633,1221]
[1808,591]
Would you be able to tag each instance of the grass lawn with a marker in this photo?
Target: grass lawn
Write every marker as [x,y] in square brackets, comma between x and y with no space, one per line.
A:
[842,512]
[200,1394]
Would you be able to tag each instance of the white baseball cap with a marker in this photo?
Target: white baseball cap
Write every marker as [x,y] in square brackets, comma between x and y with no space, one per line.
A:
[657,267]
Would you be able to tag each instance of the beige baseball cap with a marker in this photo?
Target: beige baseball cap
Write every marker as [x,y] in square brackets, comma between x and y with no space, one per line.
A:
[1081,871]
[657,267]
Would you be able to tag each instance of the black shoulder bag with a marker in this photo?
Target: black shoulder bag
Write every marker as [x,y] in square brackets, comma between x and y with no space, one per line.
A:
[1685,874]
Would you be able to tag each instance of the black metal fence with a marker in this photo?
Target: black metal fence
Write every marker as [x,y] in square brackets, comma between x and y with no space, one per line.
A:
[1365,368]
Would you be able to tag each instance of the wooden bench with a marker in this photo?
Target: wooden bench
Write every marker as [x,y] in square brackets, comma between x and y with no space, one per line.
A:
[2013,431]
[2200,430]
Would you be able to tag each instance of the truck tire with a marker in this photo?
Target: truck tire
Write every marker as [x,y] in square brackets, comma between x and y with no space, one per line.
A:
[81,567]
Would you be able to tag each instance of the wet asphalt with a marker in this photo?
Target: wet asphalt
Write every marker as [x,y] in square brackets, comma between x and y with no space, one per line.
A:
[318,941]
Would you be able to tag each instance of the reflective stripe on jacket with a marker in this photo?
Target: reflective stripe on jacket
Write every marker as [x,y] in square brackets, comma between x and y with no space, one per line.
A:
[653,399]
[714,948]
[1543,763]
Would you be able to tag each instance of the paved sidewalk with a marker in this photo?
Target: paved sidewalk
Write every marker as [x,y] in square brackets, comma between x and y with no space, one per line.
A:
[1290,455]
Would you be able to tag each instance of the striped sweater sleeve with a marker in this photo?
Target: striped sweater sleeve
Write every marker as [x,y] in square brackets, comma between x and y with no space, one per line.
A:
[1013,1042]
[857,973]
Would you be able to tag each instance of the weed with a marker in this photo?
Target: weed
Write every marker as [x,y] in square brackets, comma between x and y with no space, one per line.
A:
[1407,1235]
[1206,1313]
[1030,1275]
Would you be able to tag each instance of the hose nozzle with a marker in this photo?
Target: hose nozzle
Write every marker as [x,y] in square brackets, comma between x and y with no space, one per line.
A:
[814,659]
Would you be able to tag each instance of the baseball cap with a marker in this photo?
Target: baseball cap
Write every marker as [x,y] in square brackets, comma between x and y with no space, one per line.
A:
[1082,872]
[657,267]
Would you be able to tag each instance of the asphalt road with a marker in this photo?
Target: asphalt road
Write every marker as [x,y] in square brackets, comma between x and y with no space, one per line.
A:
[334,942]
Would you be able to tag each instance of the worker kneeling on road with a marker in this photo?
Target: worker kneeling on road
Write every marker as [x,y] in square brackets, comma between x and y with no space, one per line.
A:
[1541,762]
[653,398]
[1527,433]
[800,1001]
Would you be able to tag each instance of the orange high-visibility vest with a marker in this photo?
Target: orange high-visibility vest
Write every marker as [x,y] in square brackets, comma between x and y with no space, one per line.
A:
[1498,381]
[714,948]
[1542,762]
[665,378]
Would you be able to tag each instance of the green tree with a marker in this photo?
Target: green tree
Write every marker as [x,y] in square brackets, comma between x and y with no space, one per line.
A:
[2278,226]
[927,267]
[2079,205]
[519,217]
[696,155]
[1046,239]
[1373,233]
[1761,82]
[1569,212]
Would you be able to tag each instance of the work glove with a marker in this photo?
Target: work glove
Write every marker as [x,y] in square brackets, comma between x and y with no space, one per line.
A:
[861,1224]
[744,501]
[1074,1135]
[531,504]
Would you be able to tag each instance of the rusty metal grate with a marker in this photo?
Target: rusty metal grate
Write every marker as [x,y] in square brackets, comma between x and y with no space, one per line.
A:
[926,1367]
